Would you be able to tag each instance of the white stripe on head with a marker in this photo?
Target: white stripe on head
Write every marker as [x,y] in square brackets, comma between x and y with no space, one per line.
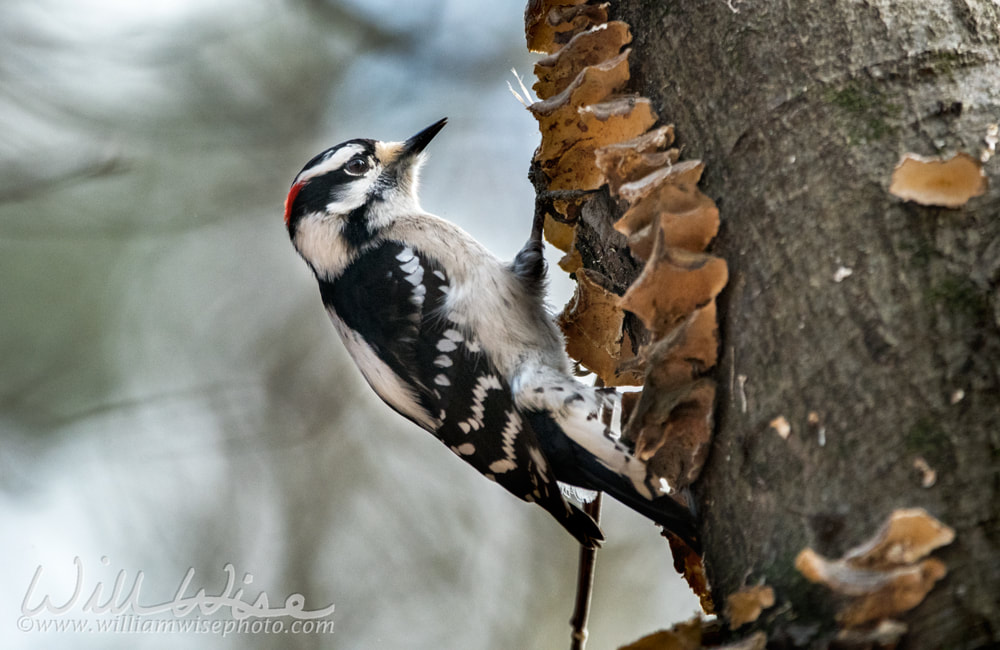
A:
[353,195]
[335,161]
[322,246]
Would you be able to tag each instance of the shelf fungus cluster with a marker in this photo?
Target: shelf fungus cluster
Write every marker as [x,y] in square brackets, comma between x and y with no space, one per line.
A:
[600,141]
[884,577]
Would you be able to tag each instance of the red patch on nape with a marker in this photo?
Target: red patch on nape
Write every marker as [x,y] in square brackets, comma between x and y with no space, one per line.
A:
[290,201]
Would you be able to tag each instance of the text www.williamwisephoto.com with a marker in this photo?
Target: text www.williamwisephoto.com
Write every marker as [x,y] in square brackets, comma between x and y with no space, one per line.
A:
[119,608]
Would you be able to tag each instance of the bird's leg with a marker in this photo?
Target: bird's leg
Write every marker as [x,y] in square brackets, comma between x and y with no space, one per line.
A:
[537,225]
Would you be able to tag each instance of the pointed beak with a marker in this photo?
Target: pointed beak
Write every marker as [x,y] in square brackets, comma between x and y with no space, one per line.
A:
[418,142]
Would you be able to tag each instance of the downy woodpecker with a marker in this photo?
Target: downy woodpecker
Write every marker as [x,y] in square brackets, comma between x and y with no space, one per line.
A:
[457,341]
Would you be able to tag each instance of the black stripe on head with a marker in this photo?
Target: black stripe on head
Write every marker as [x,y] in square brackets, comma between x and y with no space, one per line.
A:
[367,146]
[357,230]
[314,192]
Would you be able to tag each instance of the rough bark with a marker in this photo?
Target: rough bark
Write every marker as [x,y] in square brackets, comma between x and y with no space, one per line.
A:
[801,111]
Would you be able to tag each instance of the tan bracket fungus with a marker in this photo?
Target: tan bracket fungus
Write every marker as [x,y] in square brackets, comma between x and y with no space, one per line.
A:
[594,134]
[946,182]
[887,575]
[747,604]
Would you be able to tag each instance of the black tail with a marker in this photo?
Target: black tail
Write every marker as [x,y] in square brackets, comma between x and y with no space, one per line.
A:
[582,527]
[573,465]
[664,510]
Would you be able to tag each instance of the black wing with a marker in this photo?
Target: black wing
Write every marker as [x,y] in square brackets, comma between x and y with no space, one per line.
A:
[394,297]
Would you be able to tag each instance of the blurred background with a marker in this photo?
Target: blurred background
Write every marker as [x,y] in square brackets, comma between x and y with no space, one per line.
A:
[172,393]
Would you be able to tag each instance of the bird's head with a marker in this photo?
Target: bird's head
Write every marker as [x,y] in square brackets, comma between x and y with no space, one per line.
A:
[346,195]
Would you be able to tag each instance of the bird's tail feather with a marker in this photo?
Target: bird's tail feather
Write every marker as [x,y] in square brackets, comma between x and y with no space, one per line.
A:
[582,526]
[585,457]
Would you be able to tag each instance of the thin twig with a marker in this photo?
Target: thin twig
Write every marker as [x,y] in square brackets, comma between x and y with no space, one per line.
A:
[588,559]
[584,583]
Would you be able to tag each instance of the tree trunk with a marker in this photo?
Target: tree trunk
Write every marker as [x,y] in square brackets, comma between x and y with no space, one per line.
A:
[872,325]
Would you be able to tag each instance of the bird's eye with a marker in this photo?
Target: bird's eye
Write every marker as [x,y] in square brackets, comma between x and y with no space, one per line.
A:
[357,166]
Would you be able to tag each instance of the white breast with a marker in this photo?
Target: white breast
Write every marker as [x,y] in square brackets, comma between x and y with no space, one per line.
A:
[386,383]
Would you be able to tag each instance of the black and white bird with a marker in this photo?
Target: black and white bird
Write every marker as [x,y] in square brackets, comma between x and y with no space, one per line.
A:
[457,341]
